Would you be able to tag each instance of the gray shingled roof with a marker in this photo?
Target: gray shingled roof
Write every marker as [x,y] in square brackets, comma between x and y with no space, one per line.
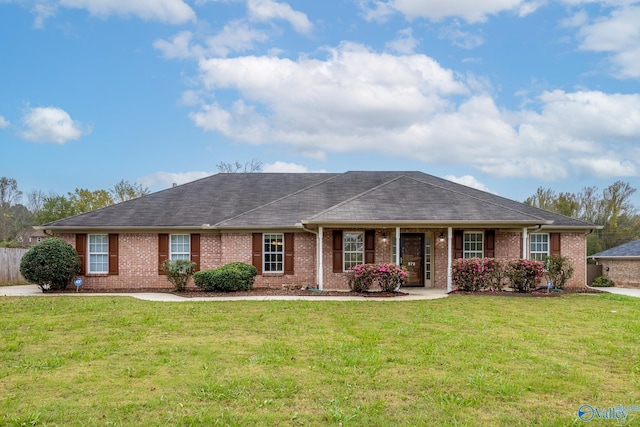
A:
[286,200]
[628,250]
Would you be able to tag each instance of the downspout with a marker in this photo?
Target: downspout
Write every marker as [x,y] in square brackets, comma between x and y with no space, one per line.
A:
[449,257]
[525,238]
[319,260]
[318,234]
[397,245]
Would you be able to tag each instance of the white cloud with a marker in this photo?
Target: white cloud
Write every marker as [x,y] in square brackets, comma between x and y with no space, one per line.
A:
[159,180]
[281,167]
[4,123]
[469,181]
[267,10]
[459,37]
[236,36]
[356,100]
[167,11]
[618,35]
[51,124]
[436,10]
[405,43]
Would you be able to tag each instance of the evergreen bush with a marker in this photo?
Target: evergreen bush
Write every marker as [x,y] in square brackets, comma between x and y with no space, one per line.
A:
[602,282]
[559,269]
[235,276]
[51,264]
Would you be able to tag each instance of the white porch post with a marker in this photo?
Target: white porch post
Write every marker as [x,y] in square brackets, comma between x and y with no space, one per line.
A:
[449,257]
[319,255]
[397,245]
[525,238]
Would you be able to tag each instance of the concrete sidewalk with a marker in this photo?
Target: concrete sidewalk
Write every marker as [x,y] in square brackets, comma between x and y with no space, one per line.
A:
[414,294]
[630,292]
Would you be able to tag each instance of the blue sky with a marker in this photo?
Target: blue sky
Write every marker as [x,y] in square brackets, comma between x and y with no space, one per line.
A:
[502,95]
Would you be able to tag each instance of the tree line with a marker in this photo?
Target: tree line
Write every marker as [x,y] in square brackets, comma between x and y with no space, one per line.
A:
[610,208]
[17,219]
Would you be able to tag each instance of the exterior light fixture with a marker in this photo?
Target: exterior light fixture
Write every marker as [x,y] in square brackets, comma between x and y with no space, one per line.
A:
[441,237]
[384,237]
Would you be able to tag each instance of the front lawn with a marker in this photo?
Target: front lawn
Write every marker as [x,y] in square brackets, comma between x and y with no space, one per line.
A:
[462,360]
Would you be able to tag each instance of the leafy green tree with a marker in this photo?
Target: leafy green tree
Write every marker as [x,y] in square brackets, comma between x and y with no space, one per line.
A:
[55,207]
[9,196]
[85,200]
[124,190]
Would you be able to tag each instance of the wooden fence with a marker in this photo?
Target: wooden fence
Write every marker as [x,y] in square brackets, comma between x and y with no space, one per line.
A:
[10,265]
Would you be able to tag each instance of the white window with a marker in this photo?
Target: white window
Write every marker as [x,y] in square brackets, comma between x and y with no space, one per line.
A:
[353,249]
[179,247]
[98,253]
[273,253]
[473,247]
[539,246]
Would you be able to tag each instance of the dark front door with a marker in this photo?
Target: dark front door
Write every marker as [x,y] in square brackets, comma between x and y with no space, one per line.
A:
[412,258]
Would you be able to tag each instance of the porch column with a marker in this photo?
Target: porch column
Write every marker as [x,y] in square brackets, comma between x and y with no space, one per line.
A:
[319,255]
[449,257]
[397,245]
[525,238]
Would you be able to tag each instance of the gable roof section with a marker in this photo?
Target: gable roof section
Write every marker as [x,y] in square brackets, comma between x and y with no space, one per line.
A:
[264,200]
[408,200]
[627,250]
[205,201]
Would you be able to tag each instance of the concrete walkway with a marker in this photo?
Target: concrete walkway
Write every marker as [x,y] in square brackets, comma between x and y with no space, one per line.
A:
[414,294]
[621,291]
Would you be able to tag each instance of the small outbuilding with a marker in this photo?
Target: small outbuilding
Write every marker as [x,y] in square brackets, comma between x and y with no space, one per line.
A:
[621,264]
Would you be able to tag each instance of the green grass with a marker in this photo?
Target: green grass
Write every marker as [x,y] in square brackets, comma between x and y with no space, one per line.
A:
[462,360]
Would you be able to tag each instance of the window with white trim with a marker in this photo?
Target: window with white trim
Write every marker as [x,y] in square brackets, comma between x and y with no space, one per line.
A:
[179,247]
[98,253]
[353,252]
[538,246]
[473,244]
[273,253]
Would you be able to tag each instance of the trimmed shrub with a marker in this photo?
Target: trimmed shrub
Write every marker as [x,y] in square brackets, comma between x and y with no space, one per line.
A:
[235,276]
[51,264]
[524,274]
[602,282]
[559,269]
[361,277]
[179,272]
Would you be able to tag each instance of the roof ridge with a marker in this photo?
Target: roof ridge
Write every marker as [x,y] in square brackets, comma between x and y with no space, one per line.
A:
[357,196]
[333,176]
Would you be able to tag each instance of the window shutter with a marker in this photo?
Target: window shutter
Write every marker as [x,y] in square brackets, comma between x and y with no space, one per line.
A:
[81,248]
[113,254]
[288,253]
[256,251]
[369,246]
[337,251]
[458,244]
[490,244]
[163,251]
[195,250]
[554,244]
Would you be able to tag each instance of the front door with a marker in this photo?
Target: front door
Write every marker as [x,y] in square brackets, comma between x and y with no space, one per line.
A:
[412,257]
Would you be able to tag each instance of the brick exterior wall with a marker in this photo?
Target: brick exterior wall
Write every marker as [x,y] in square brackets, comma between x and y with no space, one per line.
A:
[624,272]
[138,258]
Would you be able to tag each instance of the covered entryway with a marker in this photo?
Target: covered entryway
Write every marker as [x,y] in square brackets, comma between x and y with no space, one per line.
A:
[415,258]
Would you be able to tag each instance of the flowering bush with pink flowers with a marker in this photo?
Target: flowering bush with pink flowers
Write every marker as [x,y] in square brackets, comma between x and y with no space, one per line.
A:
[388,276]
[524,274]
[479,274]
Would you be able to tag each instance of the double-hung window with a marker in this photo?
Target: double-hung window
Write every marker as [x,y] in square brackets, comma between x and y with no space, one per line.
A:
[98,253]
[539,246]
[353,249]
[473,244]
[179,247]
[273,253]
